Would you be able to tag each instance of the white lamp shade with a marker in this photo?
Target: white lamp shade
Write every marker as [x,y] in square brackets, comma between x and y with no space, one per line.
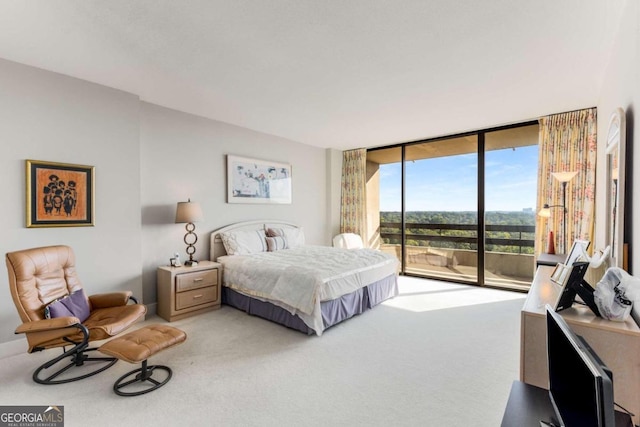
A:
[614,173]
[564,176]
[188,212]
[545,212]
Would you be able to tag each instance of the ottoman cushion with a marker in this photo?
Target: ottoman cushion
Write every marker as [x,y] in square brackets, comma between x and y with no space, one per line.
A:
[143,343]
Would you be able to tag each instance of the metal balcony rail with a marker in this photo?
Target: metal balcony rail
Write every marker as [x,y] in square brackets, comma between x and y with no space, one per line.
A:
[434,233]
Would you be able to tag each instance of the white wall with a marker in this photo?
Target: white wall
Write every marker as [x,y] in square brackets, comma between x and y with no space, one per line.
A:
[47,116]
[621,88]
[147,158]
[184,156]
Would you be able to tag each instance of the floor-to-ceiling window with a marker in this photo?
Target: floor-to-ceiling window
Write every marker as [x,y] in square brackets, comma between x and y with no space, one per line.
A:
[461,208]
[441,215]
[511,168]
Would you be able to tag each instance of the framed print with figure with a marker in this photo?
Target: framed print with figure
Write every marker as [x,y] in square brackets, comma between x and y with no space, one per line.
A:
[257,181]
[59,194]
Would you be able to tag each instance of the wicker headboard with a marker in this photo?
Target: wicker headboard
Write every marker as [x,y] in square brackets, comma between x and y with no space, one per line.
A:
[215,243]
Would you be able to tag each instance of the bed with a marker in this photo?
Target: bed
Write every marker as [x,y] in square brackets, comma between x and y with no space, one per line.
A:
[269,271]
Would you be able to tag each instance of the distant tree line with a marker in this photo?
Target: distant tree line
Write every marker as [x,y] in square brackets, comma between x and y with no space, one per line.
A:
[464,237]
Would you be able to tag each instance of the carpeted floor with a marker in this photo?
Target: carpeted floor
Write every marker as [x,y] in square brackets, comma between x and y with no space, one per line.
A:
[437,355]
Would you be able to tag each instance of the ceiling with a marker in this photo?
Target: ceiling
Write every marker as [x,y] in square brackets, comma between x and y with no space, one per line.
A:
[329,73]
[521,136]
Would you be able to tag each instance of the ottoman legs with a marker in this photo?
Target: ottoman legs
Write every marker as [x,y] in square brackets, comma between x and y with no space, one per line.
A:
[142,375]
[137,347]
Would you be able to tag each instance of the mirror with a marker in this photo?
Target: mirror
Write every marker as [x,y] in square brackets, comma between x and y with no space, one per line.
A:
[615,153]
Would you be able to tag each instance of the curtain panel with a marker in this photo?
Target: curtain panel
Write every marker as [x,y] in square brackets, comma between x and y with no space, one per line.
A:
[567,143]
[353,199]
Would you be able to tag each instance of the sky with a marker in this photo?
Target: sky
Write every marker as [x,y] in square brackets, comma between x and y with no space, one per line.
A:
[450,183]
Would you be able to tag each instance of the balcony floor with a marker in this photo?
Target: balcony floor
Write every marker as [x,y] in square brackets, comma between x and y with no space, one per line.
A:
[469,274]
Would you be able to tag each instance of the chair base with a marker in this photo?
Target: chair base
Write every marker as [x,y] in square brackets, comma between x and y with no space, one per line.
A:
[142,374]
[78,358]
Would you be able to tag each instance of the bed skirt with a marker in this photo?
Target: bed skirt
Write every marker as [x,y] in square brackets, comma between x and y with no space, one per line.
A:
[333,311]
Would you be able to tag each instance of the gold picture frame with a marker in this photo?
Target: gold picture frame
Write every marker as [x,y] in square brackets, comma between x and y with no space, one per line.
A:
[59,194]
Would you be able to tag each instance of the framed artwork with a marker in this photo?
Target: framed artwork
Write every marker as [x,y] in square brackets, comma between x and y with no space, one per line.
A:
[59,194]
[577,249]
[257,181]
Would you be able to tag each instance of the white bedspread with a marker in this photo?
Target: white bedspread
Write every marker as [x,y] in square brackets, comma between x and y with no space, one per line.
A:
[299,279]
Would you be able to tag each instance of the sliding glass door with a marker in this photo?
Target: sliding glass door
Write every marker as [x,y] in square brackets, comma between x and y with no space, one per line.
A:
[441,216]
[511,173]
[460,208]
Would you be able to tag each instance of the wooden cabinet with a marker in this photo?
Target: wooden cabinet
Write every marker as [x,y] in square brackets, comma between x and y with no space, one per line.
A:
[617,343]
[186,291]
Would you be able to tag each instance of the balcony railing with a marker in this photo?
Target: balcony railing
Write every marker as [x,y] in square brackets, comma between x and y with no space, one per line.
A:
[434,233]
[433,251]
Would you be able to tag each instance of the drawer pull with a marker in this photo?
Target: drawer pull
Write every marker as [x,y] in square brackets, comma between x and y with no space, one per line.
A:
[195,297]
[198,280]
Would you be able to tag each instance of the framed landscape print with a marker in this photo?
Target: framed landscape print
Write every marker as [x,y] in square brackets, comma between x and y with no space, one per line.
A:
[59,194]
[257,181]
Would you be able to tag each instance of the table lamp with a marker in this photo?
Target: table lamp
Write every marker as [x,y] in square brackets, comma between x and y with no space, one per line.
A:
[189,212]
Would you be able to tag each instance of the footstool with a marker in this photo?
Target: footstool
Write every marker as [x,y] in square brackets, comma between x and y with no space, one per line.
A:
[138,346]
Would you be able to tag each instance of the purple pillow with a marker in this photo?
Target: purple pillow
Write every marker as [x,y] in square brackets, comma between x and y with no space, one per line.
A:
[74,305]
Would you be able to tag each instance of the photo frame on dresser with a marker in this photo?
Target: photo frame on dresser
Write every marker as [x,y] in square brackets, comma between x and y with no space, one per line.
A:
[574,285]
[577,251]
[59,194]
[560,274]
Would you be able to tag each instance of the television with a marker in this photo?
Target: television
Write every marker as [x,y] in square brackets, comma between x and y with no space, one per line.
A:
[580,385]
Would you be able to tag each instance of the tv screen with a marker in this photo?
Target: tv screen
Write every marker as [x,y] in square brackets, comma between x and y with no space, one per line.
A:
[580,385]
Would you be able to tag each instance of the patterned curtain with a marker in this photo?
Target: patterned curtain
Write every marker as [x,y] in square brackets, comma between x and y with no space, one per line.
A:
[353,201]
[567,143]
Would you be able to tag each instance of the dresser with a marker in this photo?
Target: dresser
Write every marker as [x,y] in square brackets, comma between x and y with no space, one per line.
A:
[616,343]
[187,291]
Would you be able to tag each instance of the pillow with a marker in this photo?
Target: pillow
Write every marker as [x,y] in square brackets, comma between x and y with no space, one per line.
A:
[74,305]
[293,236]
[244,242]
[276,243]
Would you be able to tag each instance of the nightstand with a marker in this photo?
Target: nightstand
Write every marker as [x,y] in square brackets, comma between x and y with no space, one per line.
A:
[187,291]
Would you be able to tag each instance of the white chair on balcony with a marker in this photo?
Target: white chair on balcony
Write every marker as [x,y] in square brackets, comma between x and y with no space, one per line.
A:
[348,241]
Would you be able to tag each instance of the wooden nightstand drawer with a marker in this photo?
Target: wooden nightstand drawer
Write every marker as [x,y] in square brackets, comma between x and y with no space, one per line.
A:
[198,279]
[187,291]
[196,297]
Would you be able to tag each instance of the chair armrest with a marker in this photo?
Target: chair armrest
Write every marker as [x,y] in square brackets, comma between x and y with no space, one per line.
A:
[47,325]
[113,299]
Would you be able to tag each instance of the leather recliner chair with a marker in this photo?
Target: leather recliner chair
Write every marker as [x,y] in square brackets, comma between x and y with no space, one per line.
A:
[40,276]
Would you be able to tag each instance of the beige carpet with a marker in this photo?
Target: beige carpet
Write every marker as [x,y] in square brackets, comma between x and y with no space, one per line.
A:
[438,355]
